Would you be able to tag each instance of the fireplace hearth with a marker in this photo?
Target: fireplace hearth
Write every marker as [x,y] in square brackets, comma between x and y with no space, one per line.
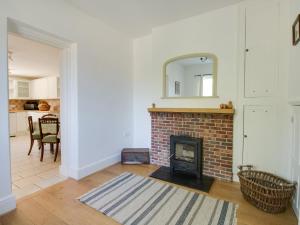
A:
[186,164]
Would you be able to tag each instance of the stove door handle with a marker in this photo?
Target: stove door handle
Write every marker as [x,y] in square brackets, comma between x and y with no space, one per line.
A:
[171,156]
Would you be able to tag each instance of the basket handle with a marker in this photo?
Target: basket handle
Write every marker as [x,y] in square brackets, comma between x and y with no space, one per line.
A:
[293,184]
[241,167]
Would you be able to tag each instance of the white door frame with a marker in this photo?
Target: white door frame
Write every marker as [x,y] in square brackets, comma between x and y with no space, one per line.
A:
[7,200]
[69,107]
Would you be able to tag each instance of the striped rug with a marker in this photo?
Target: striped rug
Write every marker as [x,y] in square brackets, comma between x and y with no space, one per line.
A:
[137,200]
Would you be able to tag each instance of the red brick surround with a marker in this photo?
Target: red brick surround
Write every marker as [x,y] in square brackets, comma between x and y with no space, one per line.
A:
[215,129]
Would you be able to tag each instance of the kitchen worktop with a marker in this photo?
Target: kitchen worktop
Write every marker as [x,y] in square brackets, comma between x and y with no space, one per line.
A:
[38,111]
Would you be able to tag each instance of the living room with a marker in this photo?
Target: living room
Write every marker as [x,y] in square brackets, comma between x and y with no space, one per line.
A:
[125,87]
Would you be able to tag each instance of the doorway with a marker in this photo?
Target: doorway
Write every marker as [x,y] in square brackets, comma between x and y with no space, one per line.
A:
[34,93]
[68,105]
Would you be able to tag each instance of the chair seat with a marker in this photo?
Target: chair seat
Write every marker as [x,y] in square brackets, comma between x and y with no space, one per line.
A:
[50,139]
[36,135]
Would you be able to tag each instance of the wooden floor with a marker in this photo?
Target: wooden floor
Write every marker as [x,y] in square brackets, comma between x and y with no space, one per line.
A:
[57,205]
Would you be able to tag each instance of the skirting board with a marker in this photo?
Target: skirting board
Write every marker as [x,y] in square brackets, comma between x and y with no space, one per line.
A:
[7,204]
[94,167]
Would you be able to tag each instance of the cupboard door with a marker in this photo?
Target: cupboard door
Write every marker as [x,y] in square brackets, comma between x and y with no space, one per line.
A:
[260,136]
[52,87]
[12,88]
[296,158]
[13,124]
[23,89]
[39,88]
[22,123]
[261,50]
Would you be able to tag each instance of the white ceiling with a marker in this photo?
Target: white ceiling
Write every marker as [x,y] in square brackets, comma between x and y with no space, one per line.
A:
[32,59]
[138,17]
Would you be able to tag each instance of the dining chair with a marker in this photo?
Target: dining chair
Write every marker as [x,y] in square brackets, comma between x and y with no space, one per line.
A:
[50,115]
[34,134]
[49,128]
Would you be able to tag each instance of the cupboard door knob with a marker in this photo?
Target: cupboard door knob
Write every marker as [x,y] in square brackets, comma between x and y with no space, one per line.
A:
[247,49]
[245,135]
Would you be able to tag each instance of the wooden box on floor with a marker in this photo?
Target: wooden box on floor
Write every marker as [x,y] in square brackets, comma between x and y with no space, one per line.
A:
[135,156]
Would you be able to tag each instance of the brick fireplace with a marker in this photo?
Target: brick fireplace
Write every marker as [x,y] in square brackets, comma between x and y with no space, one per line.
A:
[214,126]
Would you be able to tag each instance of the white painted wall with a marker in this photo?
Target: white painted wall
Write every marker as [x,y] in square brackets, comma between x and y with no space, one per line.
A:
[294,96]
[294,78]
[144,82]
[214,32]
[104,81]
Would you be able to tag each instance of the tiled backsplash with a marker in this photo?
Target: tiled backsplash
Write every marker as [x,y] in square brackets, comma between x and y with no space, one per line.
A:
[17,104]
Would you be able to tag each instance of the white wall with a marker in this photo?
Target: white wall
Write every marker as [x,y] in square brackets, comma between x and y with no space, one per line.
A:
[294,78]
[214,32]
[294,90]
[143,84]
[104,80]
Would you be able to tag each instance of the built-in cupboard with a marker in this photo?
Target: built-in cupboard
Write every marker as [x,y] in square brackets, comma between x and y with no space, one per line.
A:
[260,95]
[261,49]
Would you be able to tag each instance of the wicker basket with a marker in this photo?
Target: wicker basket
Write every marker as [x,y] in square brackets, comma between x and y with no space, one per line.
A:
[266,191]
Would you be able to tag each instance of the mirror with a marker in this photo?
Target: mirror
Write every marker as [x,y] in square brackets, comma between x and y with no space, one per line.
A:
[190,76]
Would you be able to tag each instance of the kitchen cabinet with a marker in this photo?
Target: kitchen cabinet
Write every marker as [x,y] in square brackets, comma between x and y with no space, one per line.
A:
[22,122]
[45,88]
[19,88]
[39,89]
[13,124]
[53,87]
[42,88]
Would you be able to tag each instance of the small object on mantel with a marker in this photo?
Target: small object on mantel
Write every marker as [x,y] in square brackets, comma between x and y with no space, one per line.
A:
[153,105]
[135,156]
[222,106]
[229,105]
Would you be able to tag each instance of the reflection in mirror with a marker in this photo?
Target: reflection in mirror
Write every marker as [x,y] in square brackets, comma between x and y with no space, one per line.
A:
[191,76]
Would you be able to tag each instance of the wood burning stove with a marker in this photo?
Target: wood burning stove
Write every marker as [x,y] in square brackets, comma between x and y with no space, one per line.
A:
[186,163]
[186,155]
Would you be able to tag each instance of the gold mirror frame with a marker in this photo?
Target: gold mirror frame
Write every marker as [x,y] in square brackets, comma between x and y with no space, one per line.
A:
[215,71]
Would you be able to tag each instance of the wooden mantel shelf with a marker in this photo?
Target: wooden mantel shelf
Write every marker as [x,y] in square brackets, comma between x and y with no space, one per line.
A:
[192,110]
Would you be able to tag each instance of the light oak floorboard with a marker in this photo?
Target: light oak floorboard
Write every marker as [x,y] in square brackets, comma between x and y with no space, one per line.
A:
[57,205]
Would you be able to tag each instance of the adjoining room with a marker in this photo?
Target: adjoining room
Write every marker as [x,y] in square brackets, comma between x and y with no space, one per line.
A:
[34,93]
